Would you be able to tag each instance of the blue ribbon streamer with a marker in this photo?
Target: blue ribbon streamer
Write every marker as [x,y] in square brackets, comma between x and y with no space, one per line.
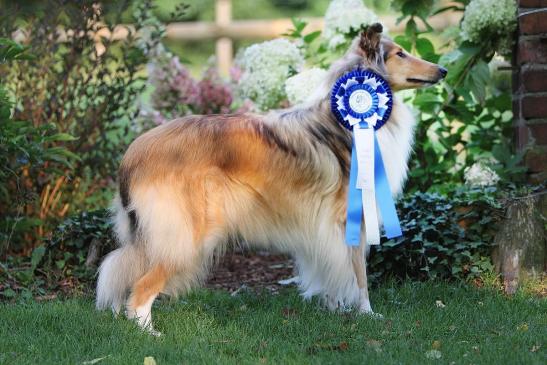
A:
[384,199]
[355,204]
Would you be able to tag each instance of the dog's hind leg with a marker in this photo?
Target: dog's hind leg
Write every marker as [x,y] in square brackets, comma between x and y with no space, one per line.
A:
[358,260]
[143,294]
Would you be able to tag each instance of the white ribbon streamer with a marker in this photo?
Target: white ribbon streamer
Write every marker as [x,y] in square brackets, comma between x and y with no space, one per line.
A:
[364,145]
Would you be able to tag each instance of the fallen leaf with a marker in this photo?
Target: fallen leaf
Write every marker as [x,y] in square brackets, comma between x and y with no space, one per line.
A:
[375,344]
[418,323]
[433,354]
[149,360]
[94,361]
[535,348]
[439,304]
[343,346]
[522,327]
[289,312]
[436,345]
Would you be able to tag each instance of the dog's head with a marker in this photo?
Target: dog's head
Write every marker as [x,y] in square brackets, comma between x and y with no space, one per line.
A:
[402,70]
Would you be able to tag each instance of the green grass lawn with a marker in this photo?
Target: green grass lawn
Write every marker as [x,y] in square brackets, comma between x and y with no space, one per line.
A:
[476,326]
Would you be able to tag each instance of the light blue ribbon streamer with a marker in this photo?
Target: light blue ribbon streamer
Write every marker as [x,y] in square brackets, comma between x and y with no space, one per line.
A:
[355,204]
[384,199]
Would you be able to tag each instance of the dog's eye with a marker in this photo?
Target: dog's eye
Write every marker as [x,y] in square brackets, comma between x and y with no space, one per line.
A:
[401,54]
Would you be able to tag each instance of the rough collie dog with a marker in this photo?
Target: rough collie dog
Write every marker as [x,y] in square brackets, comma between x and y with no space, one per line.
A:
[278,181]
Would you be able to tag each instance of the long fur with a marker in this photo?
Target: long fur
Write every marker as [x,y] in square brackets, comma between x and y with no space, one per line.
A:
[273,181]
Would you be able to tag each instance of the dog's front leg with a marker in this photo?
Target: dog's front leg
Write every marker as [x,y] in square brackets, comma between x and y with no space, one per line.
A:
[358,259]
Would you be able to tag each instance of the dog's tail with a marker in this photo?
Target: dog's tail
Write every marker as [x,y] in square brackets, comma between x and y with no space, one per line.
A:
[119,271]
[122,267]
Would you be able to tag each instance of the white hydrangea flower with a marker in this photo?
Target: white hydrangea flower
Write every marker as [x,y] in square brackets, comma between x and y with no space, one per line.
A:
[480,175]
[266,66]
[300,86]
[490,19]
[342,16]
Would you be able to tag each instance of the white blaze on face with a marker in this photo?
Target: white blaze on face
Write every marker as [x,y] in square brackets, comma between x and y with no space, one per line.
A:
[360,101]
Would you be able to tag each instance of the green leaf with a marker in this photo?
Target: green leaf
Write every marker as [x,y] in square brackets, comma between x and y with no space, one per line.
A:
[8,293]
[37,255]
[404,42]
[60,137]
[308,38]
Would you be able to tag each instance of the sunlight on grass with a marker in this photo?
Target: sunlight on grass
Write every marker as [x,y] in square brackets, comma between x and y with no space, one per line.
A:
[475,326]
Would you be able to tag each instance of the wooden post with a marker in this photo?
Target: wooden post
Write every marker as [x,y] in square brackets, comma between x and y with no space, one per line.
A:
[224,45]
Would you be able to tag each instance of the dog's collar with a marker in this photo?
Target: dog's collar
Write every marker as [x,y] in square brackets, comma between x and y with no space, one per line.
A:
[361,96]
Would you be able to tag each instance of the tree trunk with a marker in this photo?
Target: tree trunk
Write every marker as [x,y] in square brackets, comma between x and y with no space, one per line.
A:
[521,244]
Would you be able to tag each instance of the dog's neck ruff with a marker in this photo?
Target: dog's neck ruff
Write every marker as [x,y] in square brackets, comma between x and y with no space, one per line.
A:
[361,101]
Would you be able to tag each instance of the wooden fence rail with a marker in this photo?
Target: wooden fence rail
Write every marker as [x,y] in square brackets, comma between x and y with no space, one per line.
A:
[224,30]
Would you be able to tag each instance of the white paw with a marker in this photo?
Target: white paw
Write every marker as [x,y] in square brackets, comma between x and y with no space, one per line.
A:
[370,313]
[153,332]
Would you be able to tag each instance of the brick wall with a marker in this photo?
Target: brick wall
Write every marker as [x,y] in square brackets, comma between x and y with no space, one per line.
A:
[530,86]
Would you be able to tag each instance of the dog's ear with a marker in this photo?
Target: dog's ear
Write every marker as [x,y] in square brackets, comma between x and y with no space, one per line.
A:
[370,40]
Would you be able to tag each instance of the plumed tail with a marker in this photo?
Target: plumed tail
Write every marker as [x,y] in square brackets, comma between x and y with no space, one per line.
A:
[118,272]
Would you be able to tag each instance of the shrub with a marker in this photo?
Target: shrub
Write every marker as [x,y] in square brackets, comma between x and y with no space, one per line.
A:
[444,236]
[27,154]
[87,86]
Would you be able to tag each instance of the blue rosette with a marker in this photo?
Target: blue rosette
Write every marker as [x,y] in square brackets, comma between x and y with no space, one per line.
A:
[362,84]
[362,100]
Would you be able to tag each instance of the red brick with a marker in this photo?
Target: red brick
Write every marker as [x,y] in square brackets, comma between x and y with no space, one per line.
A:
[532,50]
[534,106]
[539,132]
[533,23]
[536,159]
[534,80]
[532,3]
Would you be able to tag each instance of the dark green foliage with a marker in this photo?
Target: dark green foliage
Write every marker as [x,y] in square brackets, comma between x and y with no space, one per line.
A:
[70,256]
[468,117]
[79,242]
[27,152]
[73,86]
[444,236]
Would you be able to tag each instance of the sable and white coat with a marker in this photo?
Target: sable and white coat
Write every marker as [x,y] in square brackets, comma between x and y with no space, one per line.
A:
[278,181]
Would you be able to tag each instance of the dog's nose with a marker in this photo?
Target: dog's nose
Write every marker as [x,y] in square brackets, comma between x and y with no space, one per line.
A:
[443,71]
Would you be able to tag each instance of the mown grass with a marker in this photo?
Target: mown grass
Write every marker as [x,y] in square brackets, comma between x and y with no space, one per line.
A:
[476,326]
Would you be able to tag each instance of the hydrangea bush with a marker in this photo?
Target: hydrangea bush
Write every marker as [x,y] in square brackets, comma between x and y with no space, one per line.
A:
[490,20]
[266,66]
[343,19]
[300,86]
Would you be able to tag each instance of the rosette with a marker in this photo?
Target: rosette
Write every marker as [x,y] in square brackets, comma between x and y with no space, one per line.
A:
[361,101]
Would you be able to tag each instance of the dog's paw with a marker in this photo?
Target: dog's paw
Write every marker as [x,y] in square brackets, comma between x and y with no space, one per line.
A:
[371,314]
[153,332]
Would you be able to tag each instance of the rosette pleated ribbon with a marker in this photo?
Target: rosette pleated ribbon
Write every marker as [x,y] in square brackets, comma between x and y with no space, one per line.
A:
[362,101]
